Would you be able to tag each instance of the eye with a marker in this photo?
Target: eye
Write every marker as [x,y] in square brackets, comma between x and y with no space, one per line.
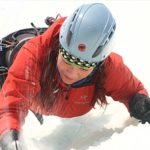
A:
[66,62]
[84,69]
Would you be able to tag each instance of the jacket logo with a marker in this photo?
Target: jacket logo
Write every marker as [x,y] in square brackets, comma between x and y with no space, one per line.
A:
[83,100]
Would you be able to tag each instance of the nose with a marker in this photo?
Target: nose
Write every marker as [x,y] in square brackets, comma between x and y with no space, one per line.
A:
[70,69]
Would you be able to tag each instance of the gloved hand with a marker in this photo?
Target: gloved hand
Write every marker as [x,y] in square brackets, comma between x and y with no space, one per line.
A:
[10,141]
[139,107]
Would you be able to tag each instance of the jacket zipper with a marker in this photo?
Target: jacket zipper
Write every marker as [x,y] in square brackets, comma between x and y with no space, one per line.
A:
[67,92]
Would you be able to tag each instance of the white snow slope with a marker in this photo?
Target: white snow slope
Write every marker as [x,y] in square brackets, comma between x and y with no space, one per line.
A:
[100,129]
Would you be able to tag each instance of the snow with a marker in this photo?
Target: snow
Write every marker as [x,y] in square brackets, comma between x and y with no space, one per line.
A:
[102,128]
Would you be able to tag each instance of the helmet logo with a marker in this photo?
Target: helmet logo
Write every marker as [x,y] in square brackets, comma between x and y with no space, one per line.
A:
[82,47]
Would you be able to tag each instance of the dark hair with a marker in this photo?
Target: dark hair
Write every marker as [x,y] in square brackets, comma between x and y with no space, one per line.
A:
[99,80]
[50,88]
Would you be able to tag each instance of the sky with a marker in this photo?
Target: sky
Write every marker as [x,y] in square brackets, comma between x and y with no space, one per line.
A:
[102,128]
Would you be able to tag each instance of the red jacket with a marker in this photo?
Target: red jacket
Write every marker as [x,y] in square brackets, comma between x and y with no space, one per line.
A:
[23,83]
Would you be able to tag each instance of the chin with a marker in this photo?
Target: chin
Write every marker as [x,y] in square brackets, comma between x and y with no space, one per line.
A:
[67,82]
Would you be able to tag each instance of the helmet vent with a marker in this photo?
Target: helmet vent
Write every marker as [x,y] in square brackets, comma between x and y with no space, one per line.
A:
[113,30]
[68,37]
[69,33]
[110,35]
[98,51]
[74,15]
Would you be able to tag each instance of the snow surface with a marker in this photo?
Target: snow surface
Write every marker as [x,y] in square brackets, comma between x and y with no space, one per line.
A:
[102,128]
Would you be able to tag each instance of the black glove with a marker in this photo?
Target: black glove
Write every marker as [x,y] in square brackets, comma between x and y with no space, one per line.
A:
[10,141]
[139,107]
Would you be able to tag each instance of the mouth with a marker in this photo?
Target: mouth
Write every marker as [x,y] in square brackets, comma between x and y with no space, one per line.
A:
[66,77]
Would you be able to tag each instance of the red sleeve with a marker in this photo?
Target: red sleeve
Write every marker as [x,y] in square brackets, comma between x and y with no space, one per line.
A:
[23,79]
[21,84]
[120,82]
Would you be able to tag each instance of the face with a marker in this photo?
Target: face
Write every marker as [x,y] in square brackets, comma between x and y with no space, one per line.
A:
[71,73]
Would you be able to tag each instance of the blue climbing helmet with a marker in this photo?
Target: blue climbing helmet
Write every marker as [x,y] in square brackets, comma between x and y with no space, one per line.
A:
[86,34]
